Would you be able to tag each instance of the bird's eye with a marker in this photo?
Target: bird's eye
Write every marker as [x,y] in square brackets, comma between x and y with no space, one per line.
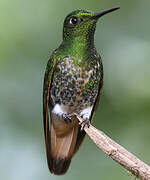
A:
[75,21]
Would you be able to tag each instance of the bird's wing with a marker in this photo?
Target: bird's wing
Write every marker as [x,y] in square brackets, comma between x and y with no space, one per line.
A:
[99,89]
[46,98]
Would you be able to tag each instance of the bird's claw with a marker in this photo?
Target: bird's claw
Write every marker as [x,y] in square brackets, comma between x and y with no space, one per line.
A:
[67,118]
[84,123]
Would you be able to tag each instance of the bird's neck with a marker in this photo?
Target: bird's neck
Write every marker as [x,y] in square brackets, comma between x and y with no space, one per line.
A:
[78,46]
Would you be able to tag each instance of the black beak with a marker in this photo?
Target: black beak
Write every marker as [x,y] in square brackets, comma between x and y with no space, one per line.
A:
[98,15]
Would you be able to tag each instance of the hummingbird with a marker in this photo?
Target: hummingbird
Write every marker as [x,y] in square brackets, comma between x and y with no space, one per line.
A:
[73,83]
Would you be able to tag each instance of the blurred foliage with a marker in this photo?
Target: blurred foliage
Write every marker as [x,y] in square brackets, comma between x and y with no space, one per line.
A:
[30,31]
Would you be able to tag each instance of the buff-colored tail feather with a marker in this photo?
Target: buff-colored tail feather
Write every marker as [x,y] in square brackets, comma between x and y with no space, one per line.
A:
[62,149]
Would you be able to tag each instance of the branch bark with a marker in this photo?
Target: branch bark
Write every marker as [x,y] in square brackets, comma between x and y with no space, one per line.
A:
[117,152]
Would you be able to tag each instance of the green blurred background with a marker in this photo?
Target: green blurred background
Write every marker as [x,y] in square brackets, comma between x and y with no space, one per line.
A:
[29,32]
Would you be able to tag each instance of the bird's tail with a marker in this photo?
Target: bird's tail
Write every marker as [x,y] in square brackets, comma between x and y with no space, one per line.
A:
[62,148]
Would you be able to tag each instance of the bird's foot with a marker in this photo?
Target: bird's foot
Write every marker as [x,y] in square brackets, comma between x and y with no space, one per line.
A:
[68,118]
[85,122]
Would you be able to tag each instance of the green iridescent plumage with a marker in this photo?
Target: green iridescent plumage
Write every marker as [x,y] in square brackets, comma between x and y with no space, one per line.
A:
[72,84]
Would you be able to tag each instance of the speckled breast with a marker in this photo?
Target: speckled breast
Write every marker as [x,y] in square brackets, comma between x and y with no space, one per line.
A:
[73,85]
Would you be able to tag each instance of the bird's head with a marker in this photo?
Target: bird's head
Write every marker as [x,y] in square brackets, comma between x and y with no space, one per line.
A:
[82,23]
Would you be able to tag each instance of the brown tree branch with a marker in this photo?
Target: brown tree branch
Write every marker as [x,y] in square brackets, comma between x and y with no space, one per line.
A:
[117,152]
